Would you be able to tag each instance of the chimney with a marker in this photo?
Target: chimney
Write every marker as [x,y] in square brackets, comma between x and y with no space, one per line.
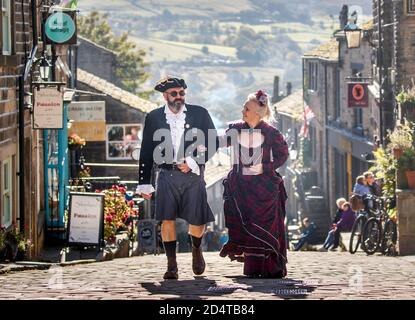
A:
[275,96]
[289,88]
[344,16]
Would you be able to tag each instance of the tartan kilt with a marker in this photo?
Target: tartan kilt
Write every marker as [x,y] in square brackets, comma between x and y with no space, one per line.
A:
[254,210]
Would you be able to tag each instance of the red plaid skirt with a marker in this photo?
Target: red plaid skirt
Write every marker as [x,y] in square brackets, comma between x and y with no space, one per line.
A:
[254,214]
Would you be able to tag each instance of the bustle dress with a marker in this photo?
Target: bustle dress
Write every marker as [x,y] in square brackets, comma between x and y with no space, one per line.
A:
[254,208]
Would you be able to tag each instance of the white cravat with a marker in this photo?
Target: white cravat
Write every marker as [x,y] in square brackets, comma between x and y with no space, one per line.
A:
[177,122]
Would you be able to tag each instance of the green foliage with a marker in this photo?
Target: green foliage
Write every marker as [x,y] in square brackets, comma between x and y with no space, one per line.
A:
[130,65]
[407,161]
[385,169]
[385,164]
[401,137]
[407,96]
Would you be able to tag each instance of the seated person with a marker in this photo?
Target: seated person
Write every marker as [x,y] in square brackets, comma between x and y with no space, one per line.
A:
[373,186]
[306,235]
[345,224]
[330,236]
[361,188]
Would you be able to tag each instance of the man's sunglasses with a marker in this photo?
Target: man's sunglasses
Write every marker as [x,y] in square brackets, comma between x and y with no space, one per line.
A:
[182,93]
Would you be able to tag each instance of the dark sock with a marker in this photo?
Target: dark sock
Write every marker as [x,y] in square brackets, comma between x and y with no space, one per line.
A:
[170,248]
[196,242]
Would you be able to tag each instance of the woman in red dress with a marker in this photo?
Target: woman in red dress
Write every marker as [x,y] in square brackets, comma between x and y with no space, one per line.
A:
[254,193]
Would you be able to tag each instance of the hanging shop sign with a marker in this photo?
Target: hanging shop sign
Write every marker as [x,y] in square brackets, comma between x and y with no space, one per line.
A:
[358,95]
[86,219]
[88,119]
[60,28]
[48,108]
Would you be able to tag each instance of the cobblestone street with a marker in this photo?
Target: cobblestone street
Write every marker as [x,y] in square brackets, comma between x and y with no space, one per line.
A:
[311,275]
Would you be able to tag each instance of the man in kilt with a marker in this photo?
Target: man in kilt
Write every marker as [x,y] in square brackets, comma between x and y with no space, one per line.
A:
[175,141]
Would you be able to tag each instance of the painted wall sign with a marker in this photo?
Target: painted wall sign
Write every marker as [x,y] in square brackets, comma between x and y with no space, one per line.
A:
[88,119]
[83,111]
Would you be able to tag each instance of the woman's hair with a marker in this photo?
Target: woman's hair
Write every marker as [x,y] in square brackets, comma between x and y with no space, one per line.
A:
[360,179]
[340,200]
[262,100]
[346,204]
[368,174]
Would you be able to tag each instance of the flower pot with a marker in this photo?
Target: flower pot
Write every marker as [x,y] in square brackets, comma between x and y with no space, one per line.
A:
[21,255]
[397,152]
[410,176]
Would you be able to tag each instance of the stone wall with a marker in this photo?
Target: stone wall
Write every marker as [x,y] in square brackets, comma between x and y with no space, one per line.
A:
[406,221]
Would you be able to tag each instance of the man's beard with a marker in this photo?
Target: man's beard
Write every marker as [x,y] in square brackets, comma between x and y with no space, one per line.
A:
[176,104]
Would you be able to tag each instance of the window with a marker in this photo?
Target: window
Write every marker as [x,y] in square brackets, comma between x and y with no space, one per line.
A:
[410,7]
[6,17]
[121,140]
[313,76]
[6,192]
[358,117]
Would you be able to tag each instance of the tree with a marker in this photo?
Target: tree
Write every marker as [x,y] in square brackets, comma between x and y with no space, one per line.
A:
[130,65]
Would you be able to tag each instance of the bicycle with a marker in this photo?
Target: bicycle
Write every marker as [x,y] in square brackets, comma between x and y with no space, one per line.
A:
[363,215]
[380,231]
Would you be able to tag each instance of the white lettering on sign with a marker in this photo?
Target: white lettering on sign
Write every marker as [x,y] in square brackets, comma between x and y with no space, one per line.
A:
[86,111]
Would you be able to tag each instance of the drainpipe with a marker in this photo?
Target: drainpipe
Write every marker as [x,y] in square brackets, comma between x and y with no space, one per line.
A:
[326,140]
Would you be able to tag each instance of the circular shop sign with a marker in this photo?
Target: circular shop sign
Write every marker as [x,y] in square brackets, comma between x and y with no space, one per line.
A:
[358,92]
[60,27]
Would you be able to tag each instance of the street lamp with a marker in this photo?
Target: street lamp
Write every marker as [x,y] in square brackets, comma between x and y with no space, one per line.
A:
[44,68]
[353,35]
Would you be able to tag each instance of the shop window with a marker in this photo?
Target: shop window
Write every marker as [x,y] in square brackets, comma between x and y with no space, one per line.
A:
[6,192]
[122,139]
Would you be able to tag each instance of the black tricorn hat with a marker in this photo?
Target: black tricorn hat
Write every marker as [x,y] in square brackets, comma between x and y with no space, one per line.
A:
[168,83]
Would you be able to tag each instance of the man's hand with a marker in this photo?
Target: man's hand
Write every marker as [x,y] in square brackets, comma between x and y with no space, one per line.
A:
[184,167]
[146,196]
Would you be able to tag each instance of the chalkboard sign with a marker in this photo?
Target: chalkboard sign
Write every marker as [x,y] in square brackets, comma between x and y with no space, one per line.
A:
[86,219]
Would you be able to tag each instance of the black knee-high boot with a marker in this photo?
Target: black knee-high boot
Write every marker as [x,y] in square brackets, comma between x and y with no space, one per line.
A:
[172,271]
[198,263]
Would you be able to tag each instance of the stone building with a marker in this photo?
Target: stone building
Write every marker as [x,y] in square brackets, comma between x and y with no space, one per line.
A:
[22,196]
[341,137]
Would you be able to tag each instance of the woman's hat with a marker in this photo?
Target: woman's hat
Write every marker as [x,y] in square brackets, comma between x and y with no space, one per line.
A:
[168,83]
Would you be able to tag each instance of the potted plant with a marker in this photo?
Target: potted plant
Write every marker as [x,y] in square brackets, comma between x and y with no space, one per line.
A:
[23,248]
[406,100]
[401,138]
[407,164]
[118,212]
[75,142]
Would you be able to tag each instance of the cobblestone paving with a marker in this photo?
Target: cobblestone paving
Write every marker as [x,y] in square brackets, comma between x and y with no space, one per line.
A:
[311,275]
